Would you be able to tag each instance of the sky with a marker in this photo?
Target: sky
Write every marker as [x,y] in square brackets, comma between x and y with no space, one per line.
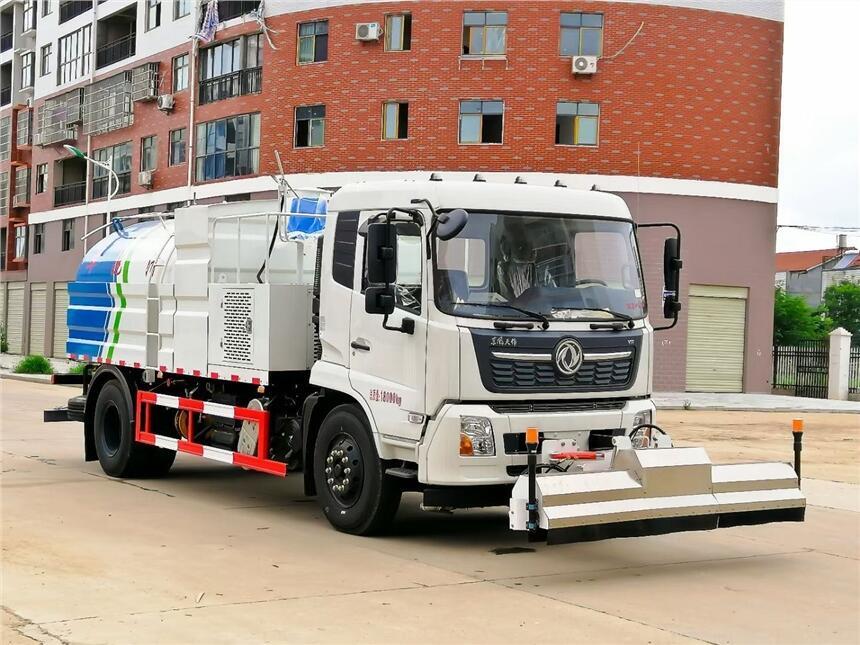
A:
[819,161]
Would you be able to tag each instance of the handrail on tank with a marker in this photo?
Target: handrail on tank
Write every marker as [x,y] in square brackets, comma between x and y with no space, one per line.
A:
[160,216]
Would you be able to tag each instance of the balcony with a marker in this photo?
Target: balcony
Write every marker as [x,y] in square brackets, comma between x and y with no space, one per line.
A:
[6,41]
[70,193]
[116,51]
[70,9]
[229,9]
[100,185]
[227,86]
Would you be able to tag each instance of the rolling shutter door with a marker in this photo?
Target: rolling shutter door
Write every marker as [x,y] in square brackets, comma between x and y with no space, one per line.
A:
[61,330]
[3,304]
[38,305]
[716,337]
[15,317]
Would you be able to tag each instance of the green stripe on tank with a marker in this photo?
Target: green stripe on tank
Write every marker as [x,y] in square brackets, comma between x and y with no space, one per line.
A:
[118,317]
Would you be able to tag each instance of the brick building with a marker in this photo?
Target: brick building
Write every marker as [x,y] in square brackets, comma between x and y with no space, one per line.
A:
[676,109]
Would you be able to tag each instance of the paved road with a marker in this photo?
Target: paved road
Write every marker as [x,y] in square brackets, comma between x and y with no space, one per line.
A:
[213,554]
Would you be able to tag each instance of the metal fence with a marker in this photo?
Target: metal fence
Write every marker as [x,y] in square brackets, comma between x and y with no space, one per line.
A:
[854,366]
[802,368]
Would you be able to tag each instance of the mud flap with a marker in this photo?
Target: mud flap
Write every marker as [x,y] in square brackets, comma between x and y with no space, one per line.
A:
[655,491]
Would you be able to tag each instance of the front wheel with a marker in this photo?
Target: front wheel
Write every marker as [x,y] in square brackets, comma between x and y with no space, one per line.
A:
[352,488]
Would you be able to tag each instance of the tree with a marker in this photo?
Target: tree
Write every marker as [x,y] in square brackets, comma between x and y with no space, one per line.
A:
[795,321]
[842,306]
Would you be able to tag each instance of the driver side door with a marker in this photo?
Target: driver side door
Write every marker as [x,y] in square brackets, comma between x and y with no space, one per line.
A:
[387,367]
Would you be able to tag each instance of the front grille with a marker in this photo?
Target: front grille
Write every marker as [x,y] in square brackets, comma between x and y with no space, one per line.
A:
[537,374]
[581,405]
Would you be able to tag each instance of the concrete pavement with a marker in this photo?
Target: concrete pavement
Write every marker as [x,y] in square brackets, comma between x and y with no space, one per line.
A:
[212,554]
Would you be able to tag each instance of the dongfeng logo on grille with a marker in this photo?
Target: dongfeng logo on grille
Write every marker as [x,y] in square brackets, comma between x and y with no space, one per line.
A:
[568,356]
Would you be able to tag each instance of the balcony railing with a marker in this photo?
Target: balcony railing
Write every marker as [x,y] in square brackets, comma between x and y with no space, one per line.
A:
[6,41]
[5,95]
[70,193]
[245,81]
[100,185]
[115,51]
[70,9]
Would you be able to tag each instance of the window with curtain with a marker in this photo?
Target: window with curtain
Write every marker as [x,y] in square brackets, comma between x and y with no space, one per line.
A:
[313,42]
[484,33]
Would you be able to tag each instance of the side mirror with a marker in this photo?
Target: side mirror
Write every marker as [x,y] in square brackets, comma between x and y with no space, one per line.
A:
[381,245]
[672,264]
[449,225]
[379,300]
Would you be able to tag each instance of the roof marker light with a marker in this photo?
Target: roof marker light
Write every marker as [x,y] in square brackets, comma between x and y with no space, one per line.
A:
[479,178]
[520,180]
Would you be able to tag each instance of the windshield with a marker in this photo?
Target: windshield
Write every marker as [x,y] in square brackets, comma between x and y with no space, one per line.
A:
[563,268]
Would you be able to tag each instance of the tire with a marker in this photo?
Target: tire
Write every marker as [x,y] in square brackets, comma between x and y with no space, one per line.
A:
[369,501]
[118,453]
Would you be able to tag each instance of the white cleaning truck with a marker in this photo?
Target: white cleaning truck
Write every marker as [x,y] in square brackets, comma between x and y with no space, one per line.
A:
[483,344]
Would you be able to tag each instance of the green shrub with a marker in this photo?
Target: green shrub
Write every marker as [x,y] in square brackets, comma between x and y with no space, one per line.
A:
[33,365]
[77,368]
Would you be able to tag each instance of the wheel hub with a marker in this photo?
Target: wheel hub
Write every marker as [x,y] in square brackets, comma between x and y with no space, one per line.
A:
[343,470]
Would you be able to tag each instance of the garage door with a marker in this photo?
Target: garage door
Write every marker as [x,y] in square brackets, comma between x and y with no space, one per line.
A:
[38,305]
[15,317]
[61,306]
[716,337]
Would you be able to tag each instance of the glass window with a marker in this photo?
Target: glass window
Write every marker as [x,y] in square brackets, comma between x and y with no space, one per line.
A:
[41,178]
[68,238]
[148,153]
[45,60]
[395,120]
[228,147]
[153,14]
[310,126]
[407,286]
[20,242]
[28,15]
[119,156]
[581,34]
[73,55]
[313,42]
[180,72]
[481,121]
[181,8]
[47,7]
[576,123]
[38,238]
[177,147]
[484,33]
[28,69]
[398,32]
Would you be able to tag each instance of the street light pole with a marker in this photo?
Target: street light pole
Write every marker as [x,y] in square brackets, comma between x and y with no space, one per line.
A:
[80,154]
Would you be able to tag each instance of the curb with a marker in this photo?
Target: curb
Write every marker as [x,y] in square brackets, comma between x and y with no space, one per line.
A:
[44,379]
[720,408]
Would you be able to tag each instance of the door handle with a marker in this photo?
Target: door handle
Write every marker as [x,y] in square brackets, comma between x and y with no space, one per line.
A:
[360,344]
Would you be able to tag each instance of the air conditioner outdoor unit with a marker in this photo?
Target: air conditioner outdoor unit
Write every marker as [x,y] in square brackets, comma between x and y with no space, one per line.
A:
[20,200]
[144,178]
[585,64]
[165,102]
[368,31]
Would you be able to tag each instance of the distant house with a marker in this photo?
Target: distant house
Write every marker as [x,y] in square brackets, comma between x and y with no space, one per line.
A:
[809,273]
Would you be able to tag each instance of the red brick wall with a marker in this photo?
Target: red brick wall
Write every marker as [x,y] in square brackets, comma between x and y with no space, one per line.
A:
[694,96]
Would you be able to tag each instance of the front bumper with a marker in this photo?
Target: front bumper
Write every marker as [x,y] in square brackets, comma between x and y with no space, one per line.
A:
[440,463]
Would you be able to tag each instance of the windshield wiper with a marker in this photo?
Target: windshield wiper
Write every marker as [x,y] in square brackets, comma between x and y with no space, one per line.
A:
[619,322]
[499,305]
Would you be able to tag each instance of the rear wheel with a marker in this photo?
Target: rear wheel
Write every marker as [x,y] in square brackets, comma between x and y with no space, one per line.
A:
[118,453]
[352,488]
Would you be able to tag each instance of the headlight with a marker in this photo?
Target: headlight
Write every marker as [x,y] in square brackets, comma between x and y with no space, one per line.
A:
[642,438]
[642,417]
[476,437]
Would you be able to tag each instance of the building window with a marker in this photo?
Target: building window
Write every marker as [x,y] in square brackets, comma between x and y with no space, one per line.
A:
[481,121]
[310,126]
[22,186]
[41,178]
[395,120]
[484,33]
[47,7]
[28,68]
[231,69]
[38,238]
[398,32]
[148,153]
[177,147]
[313,41]
[180,73]
[581,34]
[119,156]
[153,14]
[228,147]
[28,16]
[4,195]
[45,62]
[20,242]
[5,138]
[68,240]
[73,55]
[181,8]
[576,123]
